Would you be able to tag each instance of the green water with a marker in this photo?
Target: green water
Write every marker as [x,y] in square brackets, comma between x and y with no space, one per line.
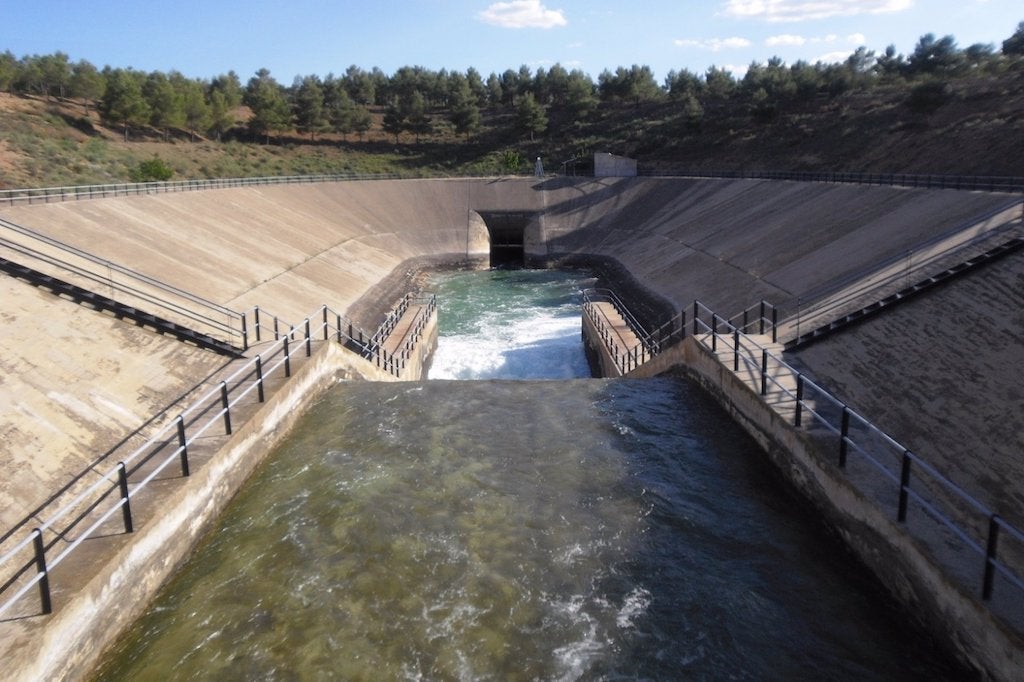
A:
[520,530]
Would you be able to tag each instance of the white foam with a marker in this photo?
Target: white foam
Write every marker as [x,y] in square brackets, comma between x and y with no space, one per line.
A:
[532,344]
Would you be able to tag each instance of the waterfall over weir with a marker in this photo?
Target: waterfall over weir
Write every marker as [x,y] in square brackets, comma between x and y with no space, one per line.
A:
[528,529]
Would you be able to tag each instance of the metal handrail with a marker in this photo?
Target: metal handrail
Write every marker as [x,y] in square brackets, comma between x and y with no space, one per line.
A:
[139,285]
[720,330]
[116,477]
[960,182]
[79,192]
[824,294]
[67,518]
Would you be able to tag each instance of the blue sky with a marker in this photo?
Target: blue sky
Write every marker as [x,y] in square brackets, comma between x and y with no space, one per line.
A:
[205,38]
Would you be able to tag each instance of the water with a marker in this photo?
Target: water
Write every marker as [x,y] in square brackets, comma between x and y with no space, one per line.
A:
[530,529]
[509,324]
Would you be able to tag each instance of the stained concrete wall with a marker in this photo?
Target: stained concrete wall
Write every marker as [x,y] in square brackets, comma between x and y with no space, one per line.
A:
[290,249]
[878,541]
[75,636]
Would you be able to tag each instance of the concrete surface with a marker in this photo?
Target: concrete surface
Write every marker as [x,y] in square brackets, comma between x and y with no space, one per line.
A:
[940,373]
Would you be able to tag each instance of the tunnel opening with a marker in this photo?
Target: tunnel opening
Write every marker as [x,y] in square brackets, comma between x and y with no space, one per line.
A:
[507,230]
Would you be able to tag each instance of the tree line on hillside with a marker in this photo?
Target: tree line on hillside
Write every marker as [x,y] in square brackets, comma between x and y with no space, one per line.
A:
[417,100]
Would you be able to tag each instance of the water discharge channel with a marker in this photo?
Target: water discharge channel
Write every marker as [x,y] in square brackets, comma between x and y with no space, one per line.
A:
[520,529]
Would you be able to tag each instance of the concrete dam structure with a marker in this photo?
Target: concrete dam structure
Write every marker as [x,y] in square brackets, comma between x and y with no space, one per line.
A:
[940,372]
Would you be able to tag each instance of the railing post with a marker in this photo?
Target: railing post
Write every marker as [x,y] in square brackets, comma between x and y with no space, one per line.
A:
[126,505]
[696,316]
[775,325]
[44,575]
[714,332]
[990,557]
[227,407]
[799,400]
[183,446]
[256,321]
[735,350]
[245,333]
[844,433]
[326,333]
[901,513]
[259,378]
[682,325]
[764,372]
[309,341]
[761,318]
[338,326]
[276,334]
[287,359]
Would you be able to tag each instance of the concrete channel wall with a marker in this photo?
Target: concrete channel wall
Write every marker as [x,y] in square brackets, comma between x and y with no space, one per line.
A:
[883,545]
[74,381]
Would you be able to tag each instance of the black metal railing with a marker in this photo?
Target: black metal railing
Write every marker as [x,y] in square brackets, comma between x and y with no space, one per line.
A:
[76,193]
[625,359]
[818,307]
[126,286]
[972,544]
[974,183]
[29,555]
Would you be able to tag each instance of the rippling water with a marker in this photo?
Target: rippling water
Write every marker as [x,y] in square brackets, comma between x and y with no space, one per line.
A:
[550,530]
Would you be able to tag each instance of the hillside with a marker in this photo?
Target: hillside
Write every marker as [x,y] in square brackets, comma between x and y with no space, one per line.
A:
[976,127]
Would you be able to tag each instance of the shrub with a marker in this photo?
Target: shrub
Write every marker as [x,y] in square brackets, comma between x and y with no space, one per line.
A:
[154,170]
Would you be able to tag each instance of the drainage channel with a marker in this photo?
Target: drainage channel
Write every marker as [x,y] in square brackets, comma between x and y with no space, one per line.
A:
[524,529]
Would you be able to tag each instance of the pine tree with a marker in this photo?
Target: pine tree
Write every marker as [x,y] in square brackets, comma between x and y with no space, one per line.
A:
[531,116]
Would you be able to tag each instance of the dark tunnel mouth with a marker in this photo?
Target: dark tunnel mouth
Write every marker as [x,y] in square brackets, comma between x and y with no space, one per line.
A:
[506,230]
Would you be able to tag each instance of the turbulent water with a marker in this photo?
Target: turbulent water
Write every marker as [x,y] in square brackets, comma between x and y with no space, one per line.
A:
[509,324]
[521,530]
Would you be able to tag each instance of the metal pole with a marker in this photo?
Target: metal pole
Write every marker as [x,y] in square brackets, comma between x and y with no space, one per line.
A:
[245,333]
[735,351]
[287,359]
[126,505]
[843,435]
[326,334]
[799,399]
[256,321]
[990,557]
[259,378]
[764,372]
[183,446]
[44,575]
[309,341]
[227,407]
[901,514]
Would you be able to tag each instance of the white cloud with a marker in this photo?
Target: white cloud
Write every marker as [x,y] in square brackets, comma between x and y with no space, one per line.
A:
[781,11]
[522,14]
[714,44]
[785,39]
[790,40]
[738,70]
[832,58]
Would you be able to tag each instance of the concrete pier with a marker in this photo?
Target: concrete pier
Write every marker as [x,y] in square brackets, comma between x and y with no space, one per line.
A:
[942,373]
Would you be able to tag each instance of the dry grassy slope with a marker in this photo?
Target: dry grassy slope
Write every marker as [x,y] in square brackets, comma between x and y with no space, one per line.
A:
[979,131]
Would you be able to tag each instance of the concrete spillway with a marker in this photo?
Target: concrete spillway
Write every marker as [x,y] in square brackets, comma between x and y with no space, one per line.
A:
[75,382]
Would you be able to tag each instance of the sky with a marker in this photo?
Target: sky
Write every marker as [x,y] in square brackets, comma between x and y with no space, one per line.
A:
[206,38]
